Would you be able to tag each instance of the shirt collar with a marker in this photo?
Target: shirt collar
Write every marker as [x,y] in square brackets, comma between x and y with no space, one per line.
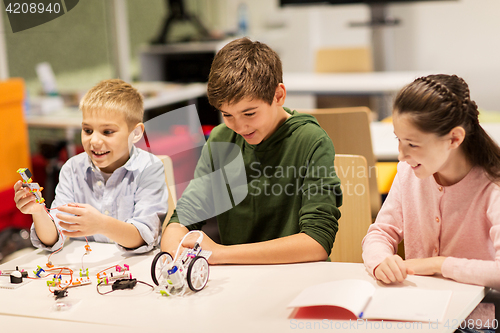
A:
[131,165]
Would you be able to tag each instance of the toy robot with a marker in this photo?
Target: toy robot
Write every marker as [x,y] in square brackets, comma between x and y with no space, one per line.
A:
[190,269]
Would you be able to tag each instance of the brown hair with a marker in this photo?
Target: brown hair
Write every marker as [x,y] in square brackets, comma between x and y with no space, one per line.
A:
[115,95]
[437,104]
[244,69]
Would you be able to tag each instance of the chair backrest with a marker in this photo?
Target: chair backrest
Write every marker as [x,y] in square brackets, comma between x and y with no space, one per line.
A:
[343,60]
[355,210]
[349,129]
[169,179]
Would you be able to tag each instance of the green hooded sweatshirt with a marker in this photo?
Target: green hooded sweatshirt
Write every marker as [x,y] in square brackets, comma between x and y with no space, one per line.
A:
[285,185]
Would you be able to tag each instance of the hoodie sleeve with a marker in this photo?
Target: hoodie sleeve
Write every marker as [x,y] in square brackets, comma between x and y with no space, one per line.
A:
[321,195]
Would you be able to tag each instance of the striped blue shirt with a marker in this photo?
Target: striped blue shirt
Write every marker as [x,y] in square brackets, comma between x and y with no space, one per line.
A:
[135,193]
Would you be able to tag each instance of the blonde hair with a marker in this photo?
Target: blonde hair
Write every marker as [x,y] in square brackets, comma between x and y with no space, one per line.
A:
[115,95]
[244,69]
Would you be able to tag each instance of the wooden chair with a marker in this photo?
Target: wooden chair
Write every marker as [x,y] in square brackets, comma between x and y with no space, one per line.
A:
[344,60]
[169,179]
[349,129]
[355,209]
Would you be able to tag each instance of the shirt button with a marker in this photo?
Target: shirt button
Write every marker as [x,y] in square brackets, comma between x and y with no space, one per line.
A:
[106,213]
[437,219]
[436,250]
[440,189]
[99,183]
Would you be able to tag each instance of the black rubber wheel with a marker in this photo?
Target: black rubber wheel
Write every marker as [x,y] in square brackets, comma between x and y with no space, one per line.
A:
[159,261]
[197,273]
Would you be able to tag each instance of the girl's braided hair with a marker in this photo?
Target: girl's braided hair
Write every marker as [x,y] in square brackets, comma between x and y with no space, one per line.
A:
[439,103]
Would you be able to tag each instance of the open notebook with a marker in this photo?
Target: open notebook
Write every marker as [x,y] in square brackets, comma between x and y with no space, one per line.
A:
[353,299]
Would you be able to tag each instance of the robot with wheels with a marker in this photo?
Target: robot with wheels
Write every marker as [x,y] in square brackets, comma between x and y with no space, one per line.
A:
[173,275]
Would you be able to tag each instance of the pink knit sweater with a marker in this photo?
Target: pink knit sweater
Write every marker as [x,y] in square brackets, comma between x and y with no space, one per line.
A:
[461,222]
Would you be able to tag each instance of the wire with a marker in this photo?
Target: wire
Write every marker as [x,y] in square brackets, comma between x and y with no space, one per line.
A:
[61,236]
[97,288]
[108,292]
[147,284]
[58,231]
[199,240]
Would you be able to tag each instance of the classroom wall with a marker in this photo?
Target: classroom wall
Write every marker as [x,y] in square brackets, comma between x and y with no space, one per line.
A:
[80,40]
[448,36]
[459,37]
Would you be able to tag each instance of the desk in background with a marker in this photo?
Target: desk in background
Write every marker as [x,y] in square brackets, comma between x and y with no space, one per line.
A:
[378,84]
[163,94]
[236,299]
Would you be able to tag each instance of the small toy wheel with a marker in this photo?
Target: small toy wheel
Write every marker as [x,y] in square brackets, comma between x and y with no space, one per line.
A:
[197,273]
[159,262]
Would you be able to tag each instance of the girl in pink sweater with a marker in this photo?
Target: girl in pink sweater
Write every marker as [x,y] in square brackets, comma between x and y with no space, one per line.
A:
[445,198]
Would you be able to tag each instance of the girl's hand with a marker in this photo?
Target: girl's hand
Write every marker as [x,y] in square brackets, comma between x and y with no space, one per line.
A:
[206,244]
[25,201]
[392,269]
[85,221]
[425,266]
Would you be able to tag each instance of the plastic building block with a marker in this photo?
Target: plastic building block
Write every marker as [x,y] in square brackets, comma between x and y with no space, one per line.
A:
[39,270]
[32,187]
[113,277]
[84,272]
[81,282]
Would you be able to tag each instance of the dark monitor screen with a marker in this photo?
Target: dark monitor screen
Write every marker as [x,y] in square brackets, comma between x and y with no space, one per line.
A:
[343,2]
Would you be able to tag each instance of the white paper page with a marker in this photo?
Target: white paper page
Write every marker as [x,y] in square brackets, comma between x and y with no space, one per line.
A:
[412,304]
[350,294]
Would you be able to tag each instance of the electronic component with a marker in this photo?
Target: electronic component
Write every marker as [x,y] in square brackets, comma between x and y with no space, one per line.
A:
[124,284]
[7,272]
[32,187]
[39,270]
[80,282]
[174,276]
[121,284]
[16,277]
[60,293]
[121,273]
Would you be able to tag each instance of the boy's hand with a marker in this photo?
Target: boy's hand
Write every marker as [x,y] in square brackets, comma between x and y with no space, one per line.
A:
[206,244]
[85,221]
[425,266]
[25,201]
[392,269]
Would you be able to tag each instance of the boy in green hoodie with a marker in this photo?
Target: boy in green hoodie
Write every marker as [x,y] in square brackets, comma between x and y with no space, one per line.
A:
[289,208]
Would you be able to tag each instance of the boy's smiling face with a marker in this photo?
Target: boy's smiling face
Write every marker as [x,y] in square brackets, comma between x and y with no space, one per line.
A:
[254,119]
[107,139]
